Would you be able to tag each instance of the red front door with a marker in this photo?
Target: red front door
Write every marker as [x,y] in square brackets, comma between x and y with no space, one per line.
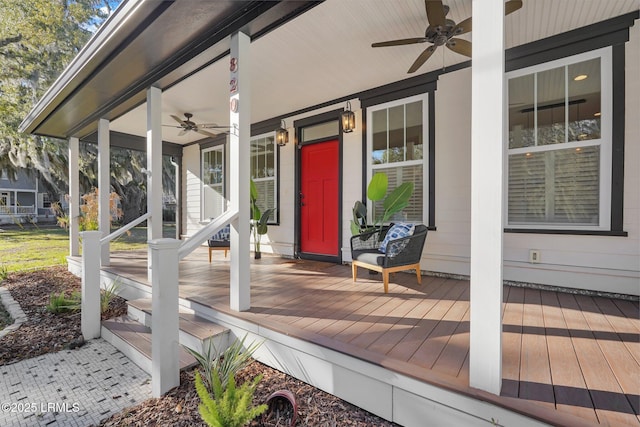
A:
[319,193]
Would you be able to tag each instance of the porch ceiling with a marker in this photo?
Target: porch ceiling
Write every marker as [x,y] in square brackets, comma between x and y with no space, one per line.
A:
[325,54]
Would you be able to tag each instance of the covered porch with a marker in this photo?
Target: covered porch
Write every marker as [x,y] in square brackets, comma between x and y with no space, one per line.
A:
[566,358]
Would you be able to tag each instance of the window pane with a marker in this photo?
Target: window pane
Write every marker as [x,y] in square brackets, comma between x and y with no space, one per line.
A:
[555,187]
[396,134]
[322,130]
[398,175]
[521,110]
[414,130]
[551,106]
[212,167]
[379,133]
[577,183]
[584,100]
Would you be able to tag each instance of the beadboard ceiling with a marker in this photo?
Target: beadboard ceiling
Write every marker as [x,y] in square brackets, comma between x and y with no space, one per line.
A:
[326,54]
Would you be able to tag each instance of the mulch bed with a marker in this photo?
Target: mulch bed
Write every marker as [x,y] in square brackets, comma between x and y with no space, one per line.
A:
[46,332]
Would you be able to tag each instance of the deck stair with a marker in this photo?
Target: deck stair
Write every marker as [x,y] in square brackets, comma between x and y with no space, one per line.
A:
[131,334]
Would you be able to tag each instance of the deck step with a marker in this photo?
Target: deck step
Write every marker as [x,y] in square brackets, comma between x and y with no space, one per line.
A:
[131,334]
[195,332]
[133,339]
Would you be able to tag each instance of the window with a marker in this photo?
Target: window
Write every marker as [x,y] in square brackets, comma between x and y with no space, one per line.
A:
[397,145]
[264,172]
[559,144]
[213,182]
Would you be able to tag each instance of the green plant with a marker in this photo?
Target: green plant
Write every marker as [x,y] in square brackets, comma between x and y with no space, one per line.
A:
[90,209]
[4,272]
[230,406]
[393,203]
[258,219]
[220,366]
[107,295]
[60,303]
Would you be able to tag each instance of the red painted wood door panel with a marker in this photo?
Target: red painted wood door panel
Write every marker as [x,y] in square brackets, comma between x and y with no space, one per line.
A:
[319,193]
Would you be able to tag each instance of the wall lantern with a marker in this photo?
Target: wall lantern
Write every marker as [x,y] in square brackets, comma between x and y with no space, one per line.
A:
[348,119]
[282,135]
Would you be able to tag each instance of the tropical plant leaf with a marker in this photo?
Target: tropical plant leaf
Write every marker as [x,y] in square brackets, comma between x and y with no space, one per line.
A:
[253,191]
[401,194]
[378,186]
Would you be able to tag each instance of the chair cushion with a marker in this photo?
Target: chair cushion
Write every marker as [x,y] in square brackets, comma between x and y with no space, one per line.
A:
[368,256]
[218,243]
[397,231]
[221,236]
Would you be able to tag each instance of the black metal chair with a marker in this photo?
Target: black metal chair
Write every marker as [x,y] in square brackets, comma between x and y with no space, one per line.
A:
[365,253]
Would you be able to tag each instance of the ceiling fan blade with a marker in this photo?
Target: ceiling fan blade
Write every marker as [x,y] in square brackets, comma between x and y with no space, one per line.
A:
[435,13]
[463,27]
[400,42]
[212,126]
[173,126]
[204,132]
[460,46]
[422,58]
[182,132]
[511,6]
[177,119]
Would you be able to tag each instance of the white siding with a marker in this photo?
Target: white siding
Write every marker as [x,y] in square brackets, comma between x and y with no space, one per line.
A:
[191,189]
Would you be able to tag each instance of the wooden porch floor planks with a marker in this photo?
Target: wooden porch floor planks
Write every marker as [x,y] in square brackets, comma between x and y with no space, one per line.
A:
[577,354]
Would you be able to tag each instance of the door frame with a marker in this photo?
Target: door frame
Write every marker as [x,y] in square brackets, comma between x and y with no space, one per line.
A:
[299,125]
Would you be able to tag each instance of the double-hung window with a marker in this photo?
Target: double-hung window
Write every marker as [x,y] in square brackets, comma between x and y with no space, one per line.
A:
[559,144]
[213,182]
[397,137]
[264,172]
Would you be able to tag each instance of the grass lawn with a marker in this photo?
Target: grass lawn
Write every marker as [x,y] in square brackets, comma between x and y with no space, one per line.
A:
[45,245]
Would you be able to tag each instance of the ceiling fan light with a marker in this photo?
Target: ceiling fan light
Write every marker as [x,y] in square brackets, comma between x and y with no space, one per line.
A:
[348,119]
[282,135]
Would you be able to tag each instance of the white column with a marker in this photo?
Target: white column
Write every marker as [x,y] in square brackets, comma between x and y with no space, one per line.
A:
[239,137]
[74,196]
[154,167]
[90,308]
[487,95]
[104,187]
[165,362]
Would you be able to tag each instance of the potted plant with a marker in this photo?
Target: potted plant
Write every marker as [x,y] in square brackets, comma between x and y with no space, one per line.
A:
[259,220]
[393,203]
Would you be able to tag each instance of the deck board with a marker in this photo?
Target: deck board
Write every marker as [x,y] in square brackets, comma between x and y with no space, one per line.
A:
[562,353]
[612,406]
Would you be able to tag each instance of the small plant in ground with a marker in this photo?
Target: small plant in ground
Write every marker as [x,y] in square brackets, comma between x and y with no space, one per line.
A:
[230,406]
[220,366]
[4,272]
[60,303]
[107,295]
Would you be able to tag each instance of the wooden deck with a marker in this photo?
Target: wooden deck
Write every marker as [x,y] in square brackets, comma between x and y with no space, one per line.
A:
[564,355]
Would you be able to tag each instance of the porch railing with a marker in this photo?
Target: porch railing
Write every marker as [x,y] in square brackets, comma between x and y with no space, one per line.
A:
[205,233]
[120,231]
[17,210]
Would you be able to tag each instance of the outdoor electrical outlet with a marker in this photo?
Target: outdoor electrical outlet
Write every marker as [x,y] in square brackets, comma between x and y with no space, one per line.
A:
[534,256]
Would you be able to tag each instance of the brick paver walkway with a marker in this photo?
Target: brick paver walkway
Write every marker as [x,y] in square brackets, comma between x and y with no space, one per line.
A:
[70,388]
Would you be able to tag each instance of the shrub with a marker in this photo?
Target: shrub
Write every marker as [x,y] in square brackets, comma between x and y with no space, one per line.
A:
[220,366]
[230,406]
[107,295]
[60,303]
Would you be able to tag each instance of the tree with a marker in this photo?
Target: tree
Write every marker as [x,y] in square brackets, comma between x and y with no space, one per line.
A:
[38,38]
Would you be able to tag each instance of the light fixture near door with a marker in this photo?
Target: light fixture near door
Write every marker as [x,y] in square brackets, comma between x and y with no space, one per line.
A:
[348,119]
[282,135]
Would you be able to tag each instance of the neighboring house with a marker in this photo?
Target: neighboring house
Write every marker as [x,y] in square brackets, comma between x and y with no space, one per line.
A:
[534,178]
[23,200]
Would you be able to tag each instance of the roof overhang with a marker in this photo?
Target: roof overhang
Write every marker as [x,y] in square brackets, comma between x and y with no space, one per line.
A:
[147,43]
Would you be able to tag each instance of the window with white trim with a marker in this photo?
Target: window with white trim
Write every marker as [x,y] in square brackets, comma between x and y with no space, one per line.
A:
[397,144]
[264,171]
[559,144]
[213,182]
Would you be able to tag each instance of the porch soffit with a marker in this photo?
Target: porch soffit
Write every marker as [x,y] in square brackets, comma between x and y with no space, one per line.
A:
[322,54]
[144,44]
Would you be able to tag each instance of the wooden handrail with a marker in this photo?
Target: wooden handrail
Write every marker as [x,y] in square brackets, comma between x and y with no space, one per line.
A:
[203,234]
[120,231]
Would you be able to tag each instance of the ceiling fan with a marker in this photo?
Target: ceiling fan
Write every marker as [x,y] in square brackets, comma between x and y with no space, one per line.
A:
[442,31]
[189,126]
